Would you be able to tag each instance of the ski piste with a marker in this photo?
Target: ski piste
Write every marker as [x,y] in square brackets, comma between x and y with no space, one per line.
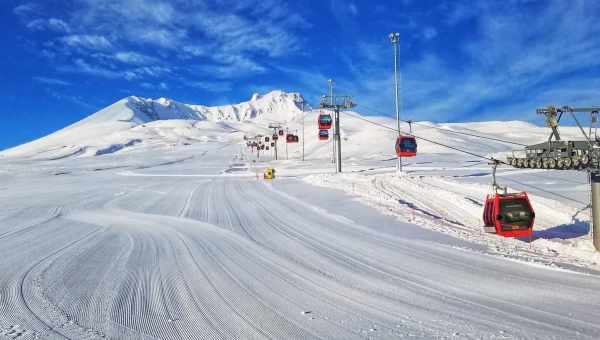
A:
[177,235]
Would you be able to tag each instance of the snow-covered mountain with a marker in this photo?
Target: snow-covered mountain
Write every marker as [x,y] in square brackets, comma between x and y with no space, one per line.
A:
[134,120]
[276,106]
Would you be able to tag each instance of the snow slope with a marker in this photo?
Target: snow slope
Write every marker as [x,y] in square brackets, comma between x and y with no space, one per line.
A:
[182,249]
[121,125]
[149,219]
[125,124]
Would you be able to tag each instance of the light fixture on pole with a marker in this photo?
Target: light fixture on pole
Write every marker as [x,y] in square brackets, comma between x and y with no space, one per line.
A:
[395,40]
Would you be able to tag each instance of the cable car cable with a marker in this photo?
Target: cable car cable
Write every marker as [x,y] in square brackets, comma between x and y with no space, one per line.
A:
[446,130]
[426,139]
[450,131]
[472,154]
[469,134]
[545,190]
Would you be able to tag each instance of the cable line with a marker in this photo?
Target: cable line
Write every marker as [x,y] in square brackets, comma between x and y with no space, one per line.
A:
[451,131]
[472,154]
[469,134]
[426,139]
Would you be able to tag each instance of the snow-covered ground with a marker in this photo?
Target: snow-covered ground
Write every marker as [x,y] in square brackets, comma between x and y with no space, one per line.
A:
[150,220]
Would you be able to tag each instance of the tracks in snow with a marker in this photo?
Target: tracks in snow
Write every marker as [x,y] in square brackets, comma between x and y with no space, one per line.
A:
[234,258]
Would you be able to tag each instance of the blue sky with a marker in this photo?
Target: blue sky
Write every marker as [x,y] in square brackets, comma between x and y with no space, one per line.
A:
[460,60]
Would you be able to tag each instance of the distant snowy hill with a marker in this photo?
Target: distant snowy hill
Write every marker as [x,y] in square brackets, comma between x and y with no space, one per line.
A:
[141,110]
[134,120]
[275,105]
[135,123]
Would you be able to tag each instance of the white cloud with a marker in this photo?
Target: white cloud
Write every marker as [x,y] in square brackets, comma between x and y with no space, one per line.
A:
[83,67]
[52,81]
[162,86]
[231,66]
[137,11]
[429,33]
[352,9]
[460,11]
[58,25]
[26,9]
[236,35]
[92,42]
[195,51]
[170,38]
[135,58]
[230,38]
[506,67]
[74,99]
[52,24]
[211,86]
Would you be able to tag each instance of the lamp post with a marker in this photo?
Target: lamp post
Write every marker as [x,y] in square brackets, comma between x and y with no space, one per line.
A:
[333,140]
[395,40]
[303,118]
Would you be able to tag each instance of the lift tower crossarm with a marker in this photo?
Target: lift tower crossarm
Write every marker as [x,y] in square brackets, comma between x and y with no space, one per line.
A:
[581,109]
[275,127]
[337,103]
[553,116]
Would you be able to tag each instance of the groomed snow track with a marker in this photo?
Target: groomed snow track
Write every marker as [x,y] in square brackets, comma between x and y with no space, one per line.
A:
[92,255]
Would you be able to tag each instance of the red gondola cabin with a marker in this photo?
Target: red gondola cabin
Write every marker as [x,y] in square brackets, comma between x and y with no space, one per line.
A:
[509,215]
[290,138]
[325,121]
[406,146]
[323,134]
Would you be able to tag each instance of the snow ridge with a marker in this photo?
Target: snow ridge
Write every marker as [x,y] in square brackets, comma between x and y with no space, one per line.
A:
[142,119]
[275,105]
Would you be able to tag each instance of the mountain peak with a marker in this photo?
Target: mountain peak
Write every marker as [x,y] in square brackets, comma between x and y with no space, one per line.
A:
[274,106]
[125,115]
